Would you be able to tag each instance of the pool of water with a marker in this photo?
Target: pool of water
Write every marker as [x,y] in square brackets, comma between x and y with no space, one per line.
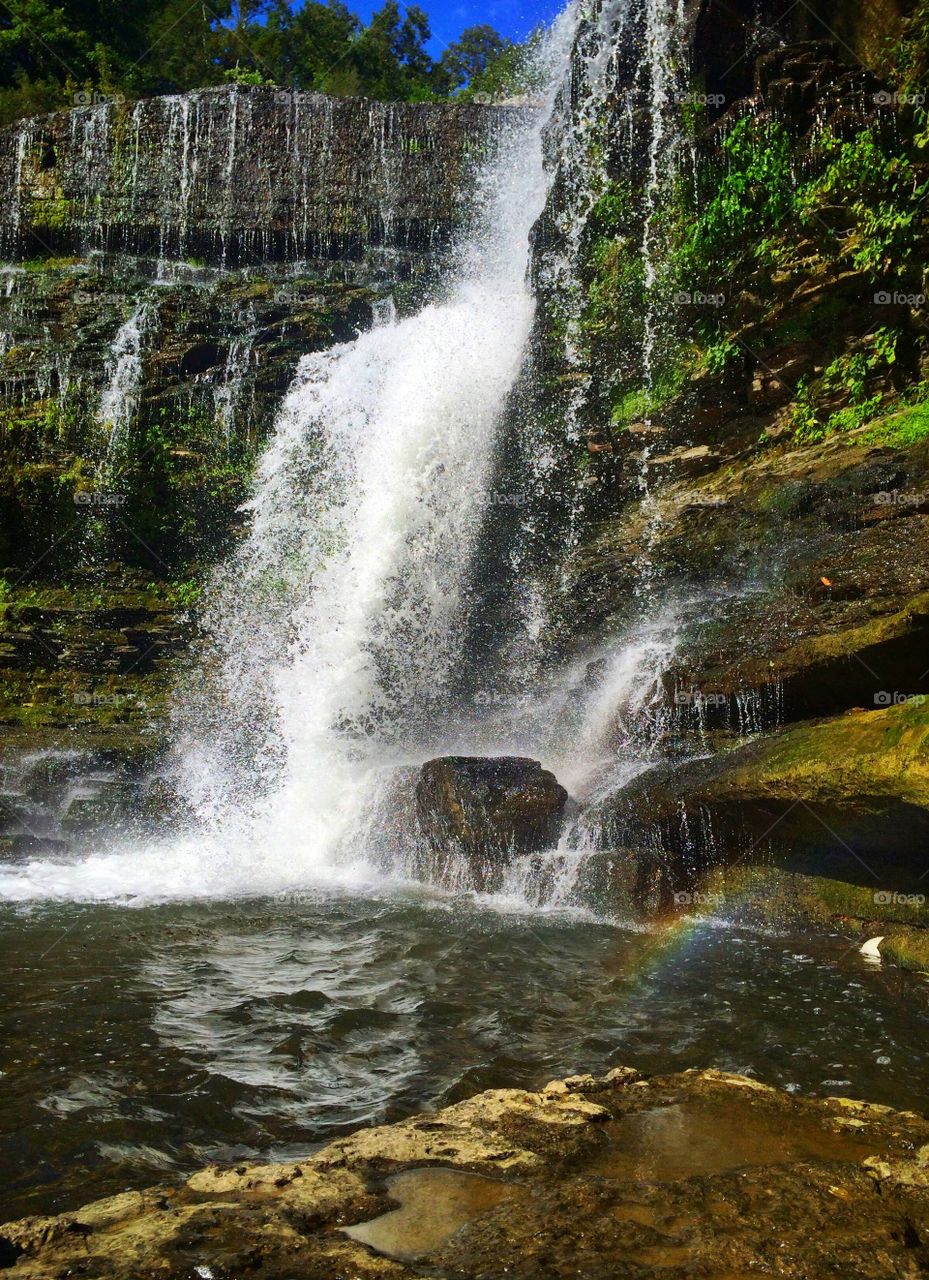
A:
[141,1043]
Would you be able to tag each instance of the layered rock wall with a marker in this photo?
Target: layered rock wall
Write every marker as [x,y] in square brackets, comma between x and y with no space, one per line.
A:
[236,175]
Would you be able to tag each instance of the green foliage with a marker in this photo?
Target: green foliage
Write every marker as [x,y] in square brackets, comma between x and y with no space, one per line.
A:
[848,379]
[906,426]
[186,593]
[642,403]
[759,200]
[911,61]
[468,59]
[880,191]
[513,72]
[245,75]
[53,55]
[616,289]
[722,354]
[753,195]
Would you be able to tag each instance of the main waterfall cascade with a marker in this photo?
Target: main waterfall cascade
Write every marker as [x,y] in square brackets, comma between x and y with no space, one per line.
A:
[339,630]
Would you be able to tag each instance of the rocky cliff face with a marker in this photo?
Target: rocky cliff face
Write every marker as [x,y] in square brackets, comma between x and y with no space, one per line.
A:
[749,426]
[728,36]
[242,176]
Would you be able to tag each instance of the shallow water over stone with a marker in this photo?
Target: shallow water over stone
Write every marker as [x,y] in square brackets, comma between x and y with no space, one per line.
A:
[144,1043]
[698,1137]
[433,1205]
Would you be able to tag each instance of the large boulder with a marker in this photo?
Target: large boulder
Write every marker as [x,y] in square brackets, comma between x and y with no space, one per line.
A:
[484,805]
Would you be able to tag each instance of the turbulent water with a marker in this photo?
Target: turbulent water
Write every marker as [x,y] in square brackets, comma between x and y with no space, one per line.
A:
[143,1044]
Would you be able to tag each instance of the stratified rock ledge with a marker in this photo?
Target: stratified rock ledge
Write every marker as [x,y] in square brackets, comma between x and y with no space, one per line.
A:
[696,1174]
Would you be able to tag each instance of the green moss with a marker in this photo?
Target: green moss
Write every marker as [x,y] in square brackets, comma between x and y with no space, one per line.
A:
[850,377]
[908,426]
[908,948]
[877,754]
[54,213]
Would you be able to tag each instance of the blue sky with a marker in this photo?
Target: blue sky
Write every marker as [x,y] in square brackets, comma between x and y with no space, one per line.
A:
[448,18]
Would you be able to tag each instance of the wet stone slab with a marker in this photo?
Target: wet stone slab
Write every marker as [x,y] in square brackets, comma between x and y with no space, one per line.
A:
[698,1174]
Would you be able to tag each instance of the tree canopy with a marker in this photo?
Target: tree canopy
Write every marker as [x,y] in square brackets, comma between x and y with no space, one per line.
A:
[55,52]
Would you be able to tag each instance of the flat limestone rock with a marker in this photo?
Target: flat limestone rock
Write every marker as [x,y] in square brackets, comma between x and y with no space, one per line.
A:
[700,1173]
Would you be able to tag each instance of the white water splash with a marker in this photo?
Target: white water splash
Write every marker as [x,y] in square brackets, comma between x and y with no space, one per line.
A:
[340,623]
[340,628]
[120,396]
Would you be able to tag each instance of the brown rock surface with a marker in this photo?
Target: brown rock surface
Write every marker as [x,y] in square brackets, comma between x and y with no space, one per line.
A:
[696,1174]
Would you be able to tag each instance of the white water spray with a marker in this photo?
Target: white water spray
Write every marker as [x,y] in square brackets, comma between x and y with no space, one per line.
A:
[340,627]
[120,396]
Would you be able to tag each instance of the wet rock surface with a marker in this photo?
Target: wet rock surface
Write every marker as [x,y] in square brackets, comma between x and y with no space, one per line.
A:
[245,175]
[700,1173]
[484,806]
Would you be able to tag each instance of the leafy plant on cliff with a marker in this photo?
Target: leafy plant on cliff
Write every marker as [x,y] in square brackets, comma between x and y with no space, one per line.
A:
[880,191]
[845,398]
[746,200]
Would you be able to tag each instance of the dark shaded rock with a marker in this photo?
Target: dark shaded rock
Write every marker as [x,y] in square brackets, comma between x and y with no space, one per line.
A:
[846,798]
[486,805]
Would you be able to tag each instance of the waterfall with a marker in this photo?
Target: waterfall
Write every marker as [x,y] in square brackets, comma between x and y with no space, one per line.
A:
[24,140]
[120,396]
[662,20]
[366,518]
[338,633]
[227,394]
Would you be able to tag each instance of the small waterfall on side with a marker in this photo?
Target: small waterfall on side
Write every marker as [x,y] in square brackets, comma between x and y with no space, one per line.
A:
[119,399]
[228,393]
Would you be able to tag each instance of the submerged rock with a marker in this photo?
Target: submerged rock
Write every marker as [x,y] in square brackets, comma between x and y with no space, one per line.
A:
[489,805]
[698,1173]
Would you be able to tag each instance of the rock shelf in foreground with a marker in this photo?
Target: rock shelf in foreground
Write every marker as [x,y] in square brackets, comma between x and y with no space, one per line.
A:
[696,1174]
